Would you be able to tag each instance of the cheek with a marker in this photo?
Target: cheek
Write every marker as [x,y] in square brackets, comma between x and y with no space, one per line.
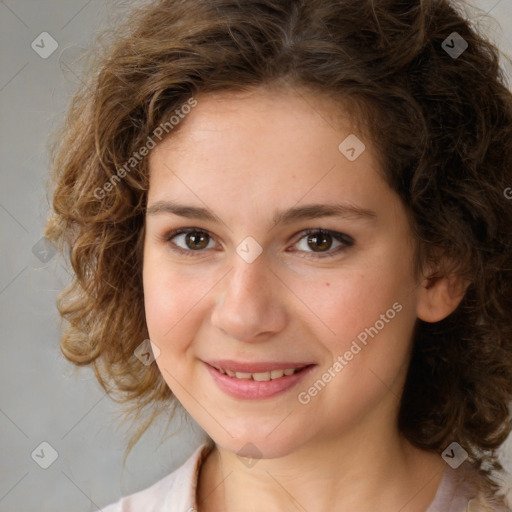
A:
[374,344]
[172,306]
[349,302]
[370,313]
[171,298]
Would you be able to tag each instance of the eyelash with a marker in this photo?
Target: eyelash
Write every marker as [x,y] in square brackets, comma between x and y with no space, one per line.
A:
[346,240]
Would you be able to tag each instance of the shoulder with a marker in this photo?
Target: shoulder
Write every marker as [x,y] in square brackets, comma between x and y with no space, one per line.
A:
[471,490]
[484,505]
[176,491]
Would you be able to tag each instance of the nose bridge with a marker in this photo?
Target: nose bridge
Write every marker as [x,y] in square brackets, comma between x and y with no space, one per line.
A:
[248,281]
[248,302]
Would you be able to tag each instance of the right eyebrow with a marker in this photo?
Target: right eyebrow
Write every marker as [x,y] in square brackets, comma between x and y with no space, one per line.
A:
[191,212]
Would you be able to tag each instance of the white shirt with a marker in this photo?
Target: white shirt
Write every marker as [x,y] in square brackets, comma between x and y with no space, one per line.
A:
[177,491]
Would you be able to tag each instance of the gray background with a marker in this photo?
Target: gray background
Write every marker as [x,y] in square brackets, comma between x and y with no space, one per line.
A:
[42,397]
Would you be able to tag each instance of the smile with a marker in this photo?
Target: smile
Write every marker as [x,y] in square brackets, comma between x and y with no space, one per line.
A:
[259,384]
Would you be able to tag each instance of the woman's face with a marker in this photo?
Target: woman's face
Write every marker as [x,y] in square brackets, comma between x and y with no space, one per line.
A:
[249,290]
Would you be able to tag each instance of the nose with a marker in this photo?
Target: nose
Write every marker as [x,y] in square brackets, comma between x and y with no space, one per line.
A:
[250,304]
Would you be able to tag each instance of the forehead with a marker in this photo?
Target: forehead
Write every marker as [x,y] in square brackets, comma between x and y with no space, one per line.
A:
[265,111]
[267,146]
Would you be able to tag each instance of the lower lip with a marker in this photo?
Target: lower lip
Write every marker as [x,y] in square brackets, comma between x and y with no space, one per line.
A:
[254,390]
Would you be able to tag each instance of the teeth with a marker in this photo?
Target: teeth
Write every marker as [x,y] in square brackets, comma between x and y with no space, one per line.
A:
[260,376]
[242,375]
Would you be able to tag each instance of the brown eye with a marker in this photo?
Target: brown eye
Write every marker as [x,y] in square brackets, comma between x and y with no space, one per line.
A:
[189,240]
[319,241]
[196,240]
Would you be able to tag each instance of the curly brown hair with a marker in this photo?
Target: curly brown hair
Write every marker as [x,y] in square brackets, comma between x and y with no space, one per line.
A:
[441,125]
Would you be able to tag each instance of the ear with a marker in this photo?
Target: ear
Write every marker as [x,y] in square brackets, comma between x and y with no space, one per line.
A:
[439,296]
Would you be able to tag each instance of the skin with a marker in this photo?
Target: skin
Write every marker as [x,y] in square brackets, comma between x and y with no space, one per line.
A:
[244,155]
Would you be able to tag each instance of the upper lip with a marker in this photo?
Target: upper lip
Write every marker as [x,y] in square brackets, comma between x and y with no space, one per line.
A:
[237,366]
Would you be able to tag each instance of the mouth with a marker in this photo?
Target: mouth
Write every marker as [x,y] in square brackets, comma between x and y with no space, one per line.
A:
[258,371]
[257,380]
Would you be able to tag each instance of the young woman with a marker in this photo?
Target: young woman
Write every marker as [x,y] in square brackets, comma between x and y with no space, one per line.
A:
[306,206]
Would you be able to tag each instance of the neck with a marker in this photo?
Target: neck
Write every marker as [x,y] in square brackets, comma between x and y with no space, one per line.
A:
[358,471]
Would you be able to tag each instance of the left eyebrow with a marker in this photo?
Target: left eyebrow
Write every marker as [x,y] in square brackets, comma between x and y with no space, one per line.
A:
[315,211]
[310,211]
